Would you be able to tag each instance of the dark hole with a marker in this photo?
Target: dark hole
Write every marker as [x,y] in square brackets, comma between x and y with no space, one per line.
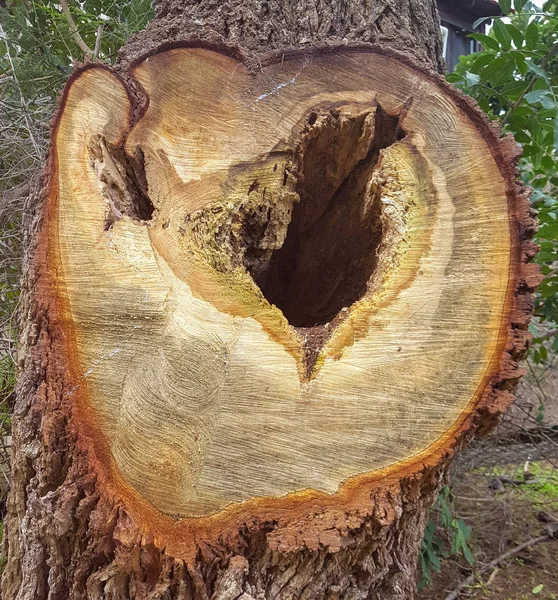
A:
[330,250]
[132,198]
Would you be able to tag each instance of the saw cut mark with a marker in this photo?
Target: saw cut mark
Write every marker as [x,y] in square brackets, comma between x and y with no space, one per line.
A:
[331,248]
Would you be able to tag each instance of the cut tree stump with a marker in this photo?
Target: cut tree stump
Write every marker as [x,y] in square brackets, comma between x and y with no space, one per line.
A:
[270,298]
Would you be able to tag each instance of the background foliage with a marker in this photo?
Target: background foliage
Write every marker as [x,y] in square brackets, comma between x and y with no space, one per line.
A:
[445,536]
[515,80]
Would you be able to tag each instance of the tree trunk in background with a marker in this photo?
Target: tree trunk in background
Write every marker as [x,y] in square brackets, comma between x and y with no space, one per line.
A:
[408,26]
[108,237]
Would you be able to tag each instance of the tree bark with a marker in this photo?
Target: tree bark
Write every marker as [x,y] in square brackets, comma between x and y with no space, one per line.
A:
[408,26]
[83,521]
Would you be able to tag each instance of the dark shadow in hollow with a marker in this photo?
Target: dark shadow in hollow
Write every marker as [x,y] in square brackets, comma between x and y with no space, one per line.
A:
[330,251]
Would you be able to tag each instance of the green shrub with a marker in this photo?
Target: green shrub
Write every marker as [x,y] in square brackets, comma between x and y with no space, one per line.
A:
[445,536]
[515,79]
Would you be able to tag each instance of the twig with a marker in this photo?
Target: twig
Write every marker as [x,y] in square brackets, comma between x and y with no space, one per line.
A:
[469,499]
[530,86]
[498,560]
[98,41]
[548,335]
[22,99]
[73,28]
[537,381]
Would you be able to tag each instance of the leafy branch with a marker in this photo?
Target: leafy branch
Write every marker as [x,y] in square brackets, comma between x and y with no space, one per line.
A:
[515,80]
[532,82]
[74,30]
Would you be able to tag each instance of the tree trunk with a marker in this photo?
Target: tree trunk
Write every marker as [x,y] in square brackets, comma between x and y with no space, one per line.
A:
[275,277]
[408,26]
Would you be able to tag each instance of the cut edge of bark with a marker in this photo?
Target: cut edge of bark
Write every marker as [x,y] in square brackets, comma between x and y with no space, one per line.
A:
[287,520]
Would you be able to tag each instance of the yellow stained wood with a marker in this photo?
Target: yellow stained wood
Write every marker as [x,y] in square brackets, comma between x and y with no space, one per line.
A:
[198,382]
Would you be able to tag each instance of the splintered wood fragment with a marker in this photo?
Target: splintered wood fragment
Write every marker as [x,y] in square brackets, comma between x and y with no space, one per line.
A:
[280,287]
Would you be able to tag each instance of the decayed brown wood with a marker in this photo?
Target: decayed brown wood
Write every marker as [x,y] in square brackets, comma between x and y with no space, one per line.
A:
[178,435]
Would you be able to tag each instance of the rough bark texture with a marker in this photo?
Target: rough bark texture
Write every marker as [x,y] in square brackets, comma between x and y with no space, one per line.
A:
[409,26]
[68,536]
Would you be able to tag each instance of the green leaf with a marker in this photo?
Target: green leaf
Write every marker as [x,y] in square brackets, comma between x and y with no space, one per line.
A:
[536,158]
[537,70]
[536,357]
[537,589]
[549,231]
[517,36]
[532,35]
[445,512]
[511,92]
[468,555]
[548,103]
[434,559]
[465,529]
[472,79]
[484,104]
[480,60]
[536,96]
[455,77]
[485,40]
[499,69]
[521,137]
[480,21]
[548,163]
[505,5]
[502,34]
[520,61]
[556,132]
[519,4]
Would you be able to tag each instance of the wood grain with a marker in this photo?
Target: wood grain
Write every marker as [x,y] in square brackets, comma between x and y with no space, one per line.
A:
[197,384]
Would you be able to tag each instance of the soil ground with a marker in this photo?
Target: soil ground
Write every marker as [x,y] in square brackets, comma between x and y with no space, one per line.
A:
[506,489]
[502,519]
